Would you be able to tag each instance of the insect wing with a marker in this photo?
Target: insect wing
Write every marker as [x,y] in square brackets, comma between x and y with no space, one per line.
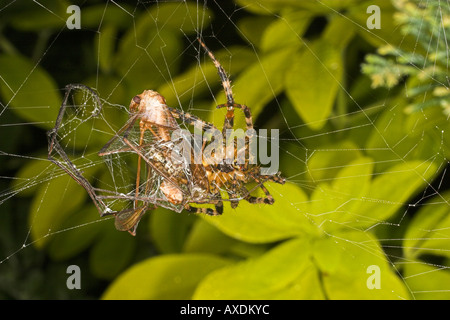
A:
[128,220]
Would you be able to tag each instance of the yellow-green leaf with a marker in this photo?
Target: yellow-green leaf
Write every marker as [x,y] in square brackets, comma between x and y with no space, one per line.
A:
[313,81]
[353,264]
[429,230]
[53,203]
[171,276]
[261,277]
[29,91]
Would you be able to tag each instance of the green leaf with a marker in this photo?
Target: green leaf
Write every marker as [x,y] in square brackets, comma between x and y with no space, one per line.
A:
[392,189]
[31,175]
[427,281]
[169,276]
[174,15]
[270,7]
[169,229]
[286,31]
[267,223]
[325,164]
[398,137]
[338,204]
[313,81]
[343,260]
[53,203]
[429,230]
[252,27]
[147,56]
[29,91]
[79,233]
[41,15]
[261,277]
[111,253]
[105,44]
[100,15]
[339,32]
[203,237]
[355,200]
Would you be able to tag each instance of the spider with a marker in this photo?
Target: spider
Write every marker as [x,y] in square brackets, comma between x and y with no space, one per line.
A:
[189,183]
[175,185]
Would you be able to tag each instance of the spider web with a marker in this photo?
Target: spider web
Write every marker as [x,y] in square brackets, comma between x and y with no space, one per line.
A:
[363,155]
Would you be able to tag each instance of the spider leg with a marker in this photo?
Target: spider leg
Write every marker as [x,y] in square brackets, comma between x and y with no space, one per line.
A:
[216,200]
[218,204]
[275,178]
[245,110]
[268,199]
[234,202]
[191,120]
[233,192]
[226,84]
[222,74]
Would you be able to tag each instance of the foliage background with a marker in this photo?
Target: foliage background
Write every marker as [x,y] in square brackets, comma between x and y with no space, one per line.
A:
[297,64]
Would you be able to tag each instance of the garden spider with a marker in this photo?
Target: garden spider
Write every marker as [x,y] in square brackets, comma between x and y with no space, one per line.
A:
[178,185]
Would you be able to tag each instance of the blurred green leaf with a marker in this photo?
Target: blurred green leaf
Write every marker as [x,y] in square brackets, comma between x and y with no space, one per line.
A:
[260,277]
[392,189]
[399,137]
[344,259]
[427,281]
[203,237]
[286,31]
[29,90]
[95,16]
[105,44]
[323,165]
[169,229]
[112,253]
[26,180]
[313,82]
[273,6]
[429,230]
[79,233]
[251,27]
[142,56]
[165,277]
[353,199]
[47,214]
[37,16]
[174,15]
[339,202]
